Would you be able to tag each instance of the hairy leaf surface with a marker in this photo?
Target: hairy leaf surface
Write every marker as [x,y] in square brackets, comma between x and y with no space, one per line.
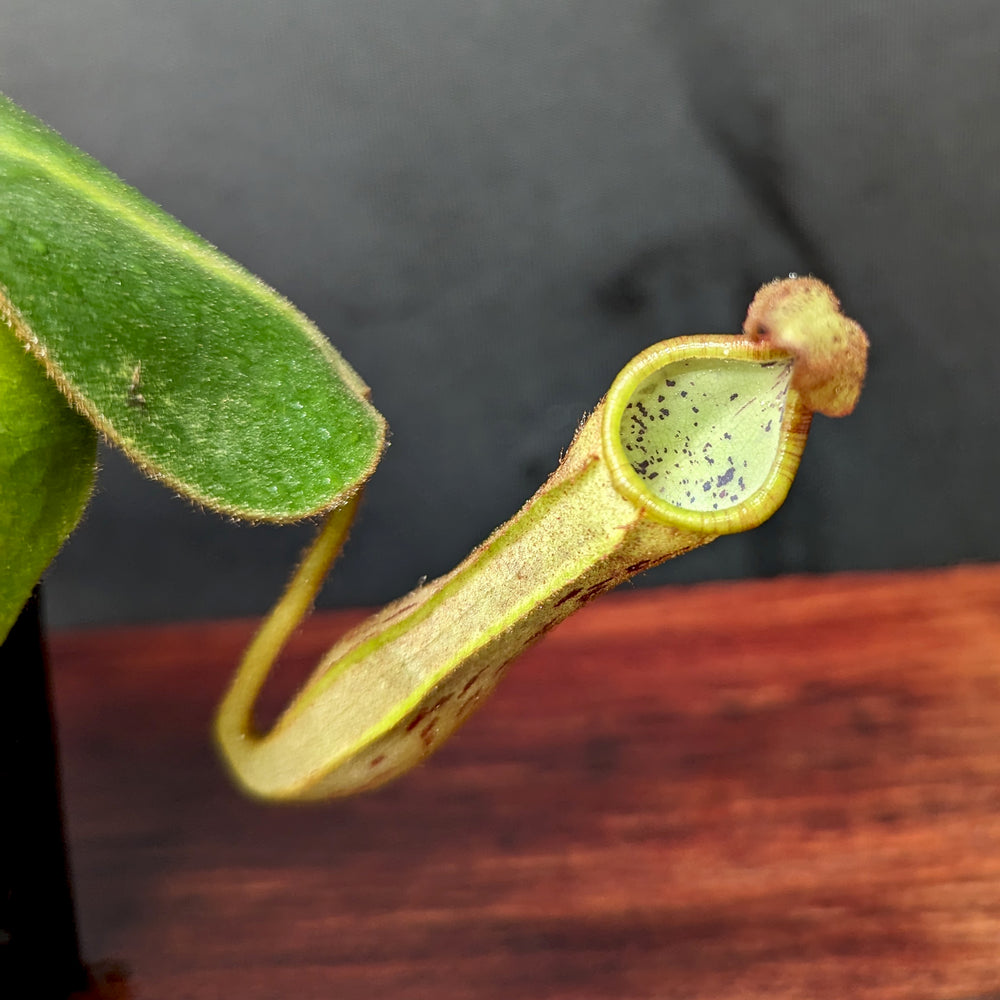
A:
[206,377]
[47,455]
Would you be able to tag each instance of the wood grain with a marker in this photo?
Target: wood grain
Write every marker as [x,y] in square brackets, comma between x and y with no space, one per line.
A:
[781,789]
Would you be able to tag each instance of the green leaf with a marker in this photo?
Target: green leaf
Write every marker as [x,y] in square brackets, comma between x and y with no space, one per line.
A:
[47,455]
[207,378]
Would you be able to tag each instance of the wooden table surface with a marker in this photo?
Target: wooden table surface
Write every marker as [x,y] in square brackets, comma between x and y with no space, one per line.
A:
[786,788]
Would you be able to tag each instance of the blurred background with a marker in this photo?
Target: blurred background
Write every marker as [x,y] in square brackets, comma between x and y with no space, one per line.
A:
[489,207]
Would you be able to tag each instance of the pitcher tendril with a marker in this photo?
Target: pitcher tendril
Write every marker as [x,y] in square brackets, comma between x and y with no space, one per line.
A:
[697,437]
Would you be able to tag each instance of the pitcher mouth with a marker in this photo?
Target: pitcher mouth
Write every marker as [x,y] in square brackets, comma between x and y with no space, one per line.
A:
[705,432]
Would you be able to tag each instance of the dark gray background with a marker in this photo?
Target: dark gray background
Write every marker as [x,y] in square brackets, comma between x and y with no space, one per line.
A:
[490,206]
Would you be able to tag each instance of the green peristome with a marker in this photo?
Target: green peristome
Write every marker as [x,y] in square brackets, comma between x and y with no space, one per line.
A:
[47,456]
[702,434]
[207,378]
